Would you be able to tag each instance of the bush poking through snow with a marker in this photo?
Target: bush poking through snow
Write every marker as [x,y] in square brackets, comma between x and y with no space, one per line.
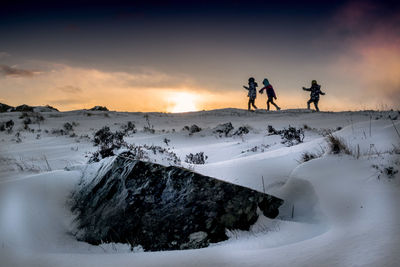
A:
[273,131]
[149,128]
[260,148]
[166,141]
[7,126]
[107,142]
[68,127]
[31,117]
[198,158]
[292,136]
[337,145]
[389,171]
[307,156]
[129,127]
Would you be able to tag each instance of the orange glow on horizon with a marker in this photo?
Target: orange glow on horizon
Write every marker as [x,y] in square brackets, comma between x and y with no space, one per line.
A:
[182,101]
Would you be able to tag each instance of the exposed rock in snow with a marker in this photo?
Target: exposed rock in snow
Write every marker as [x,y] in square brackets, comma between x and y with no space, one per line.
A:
[23,108]
[192,129]
[223,129]
[46,108]
[163,208]
[99,108]
[26,108]
[241,130]
[5,107]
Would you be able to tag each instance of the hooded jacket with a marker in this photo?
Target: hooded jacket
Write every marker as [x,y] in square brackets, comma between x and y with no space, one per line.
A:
[315,90]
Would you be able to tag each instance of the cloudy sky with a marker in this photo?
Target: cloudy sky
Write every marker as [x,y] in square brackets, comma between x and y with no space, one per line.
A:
[193,55]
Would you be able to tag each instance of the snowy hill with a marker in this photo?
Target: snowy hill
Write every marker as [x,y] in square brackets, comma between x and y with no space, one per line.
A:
[340,209]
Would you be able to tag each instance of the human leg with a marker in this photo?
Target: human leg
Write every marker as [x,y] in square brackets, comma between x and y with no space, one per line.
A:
[316,105]
[308,103]
[253,104]
[276,106]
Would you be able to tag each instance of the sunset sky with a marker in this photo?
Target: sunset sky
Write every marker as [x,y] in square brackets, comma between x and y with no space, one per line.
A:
[193,55]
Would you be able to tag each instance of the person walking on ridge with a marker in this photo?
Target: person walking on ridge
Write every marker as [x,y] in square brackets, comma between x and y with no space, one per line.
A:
[252,93]
[315,90]
[270,94]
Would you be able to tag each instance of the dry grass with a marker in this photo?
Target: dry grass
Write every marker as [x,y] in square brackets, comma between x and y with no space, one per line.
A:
[337,145]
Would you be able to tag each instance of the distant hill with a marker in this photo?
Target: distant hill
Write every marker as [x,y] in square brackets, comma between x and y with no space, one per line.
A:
[27,108]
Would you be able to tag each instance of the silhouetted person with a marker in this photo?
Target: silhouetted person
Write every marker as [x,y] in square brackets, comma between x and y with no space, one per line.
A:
[252,92]
[315,90]
[270,94]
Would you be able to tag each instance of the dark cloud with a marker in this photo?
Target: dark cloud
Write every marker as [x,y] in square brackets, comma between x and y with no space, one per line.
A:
[70,89]
[11,71]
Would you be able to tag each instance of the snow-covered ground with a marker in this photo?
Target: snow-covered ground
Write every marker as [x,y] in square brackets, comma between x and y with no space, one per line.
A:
[340,210]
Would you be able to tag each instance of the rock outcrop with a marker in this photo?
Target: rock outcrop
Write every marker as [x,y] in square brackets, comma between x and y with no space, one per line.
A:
[23,108]
[5,108]
[163,208]
[223,129]
[99,108]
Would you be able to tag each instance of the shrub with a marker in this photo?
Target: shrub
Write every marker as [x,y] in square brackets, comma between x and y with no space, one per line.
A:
[26,123]
[260,148]
[390,172]
[292,136]
[198,158]
[337,145]
[142,152]
[307,156]
[273,131]
[7,126]
[31,117]
[148,128]
[58,132]
[166,141]
[129,127]
[107,142]
[104,137]
[68,127]
[17,138]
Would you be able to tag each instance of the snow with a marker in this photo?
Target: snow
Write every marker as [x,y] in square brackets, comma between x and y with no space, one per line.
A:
[340,210]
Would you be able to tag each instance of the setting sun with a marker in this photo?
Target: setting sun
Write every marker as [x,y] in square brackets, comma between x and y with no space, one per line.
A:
[182,102]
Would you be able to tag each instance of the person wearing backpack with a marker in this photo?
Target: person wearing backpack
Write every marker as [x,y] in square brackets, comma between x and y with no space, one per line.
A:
[270,94]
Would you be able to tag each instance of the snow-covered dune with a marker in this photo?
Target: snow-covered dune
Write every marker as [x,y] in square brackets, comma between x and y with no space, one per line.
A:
[340,210]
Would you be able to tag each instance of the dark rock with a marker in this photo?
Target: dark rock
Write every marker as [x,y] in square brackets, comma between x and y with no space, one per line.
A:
[194,129]
[23,108]
[241,131]
[5,108]
[46,108]
[223,129]
[163,208]
[99,108]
